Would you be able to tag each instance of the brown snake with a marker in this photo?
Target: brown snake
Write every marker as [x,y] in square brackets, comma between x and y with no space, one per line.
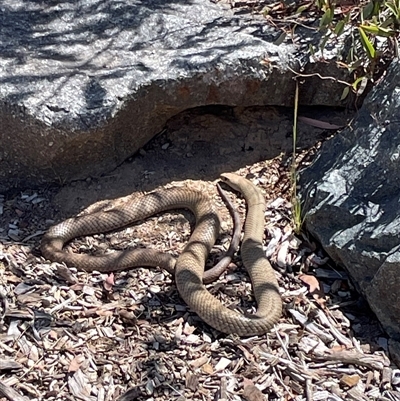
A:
[189,268]
[117,216]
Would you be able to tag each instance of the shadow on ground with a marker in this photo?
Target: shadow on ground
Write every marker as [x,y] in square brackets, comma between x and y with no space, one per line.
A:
[200,144]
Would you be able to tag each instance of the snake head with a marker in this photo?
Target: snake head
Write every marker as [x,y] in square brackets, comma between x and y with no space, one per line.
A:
[231,179]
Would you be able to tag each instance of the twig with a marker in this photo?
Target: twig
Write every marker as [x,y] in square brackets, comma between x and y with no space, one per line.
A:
[309,392]
[311,327]
[283,345]
[353,357]
[316,74]
[10,393]
[290,21]
[326,321]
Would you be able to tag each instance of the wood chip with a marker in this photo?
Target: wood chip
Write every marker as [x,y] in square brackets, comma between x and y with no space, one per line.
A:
[10,393]
[252,393]
[222,364]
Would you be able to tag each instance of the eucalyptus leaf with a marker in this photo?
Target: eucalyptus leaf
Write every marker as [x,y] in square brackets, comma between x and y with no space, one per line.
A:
[368,46]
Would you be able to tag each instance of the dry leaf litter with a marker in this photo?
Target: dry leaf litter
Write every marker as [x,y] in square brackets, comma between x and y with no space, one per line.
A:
[69,335]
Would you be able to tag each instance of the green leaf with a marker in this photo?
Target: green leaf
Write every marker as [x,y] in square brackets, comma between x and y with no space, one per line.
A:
[378,30]
[326,18]
[368,46]
[302,8]
[387,22]
[324,42]
[370,28]
[339,28]
[394,8]
[350,55]
[345,93]
[321,4]
[368,10]
[361,81]
[281,39]
[377,7]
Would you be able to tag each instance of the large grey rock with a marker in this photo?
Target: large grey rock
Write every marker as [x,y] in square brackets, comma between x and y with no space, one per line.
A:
[85,84]
[351,195]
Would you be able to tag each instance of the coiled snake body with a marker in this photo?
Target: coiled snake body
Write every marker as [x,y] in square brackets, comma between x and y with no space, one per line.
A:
[189,268]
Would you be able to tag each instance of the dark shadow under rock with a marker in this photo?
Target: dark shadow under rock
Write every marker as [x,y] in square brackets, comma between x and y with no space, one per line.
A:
[200,144]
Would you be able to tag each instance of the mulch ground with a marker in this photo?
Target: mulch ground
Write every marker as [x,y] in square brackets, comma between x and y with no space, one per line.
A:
[70,335]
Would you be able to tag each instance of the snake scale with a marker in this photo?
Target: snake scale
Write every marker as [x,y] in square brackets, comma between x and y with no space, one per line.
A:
[189,267]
